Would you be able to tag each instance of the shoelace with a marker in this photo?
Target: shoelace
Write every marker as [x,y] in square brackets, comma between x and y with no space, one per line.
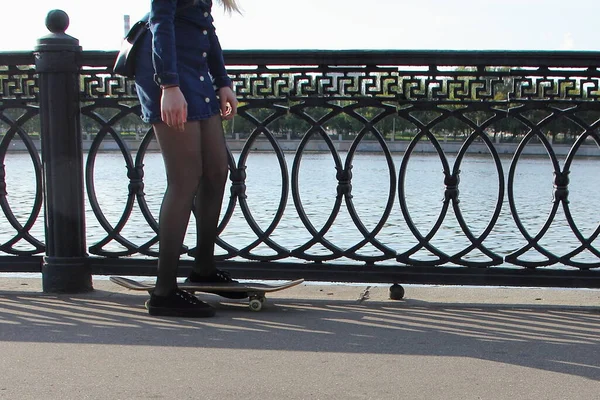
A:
[224,276]
[188,297]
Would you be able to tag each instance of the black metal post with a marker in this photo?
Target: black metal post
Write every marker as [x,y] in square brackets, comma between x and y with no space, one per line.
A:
[58,61]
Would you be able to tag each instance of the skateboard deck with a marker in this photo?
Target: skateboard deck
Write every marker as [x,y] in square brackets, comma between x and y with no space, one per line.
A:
[256,291]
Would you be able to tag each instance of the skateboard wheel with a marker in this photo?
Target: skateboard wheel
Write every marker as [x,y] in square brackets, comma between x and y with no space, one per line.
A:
[255,304]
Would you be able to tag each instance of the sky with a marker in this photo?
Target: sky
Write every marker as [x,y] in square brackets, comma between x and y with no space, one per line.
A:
[337,24]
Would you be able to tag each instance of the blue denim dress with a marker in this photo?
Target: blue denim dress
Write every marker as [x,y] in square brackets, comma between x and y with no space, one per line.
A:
[182,49]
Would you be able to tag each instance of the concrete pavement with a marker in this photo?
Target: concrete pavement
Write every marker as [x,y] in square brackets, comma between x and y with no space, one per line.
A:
[310,342]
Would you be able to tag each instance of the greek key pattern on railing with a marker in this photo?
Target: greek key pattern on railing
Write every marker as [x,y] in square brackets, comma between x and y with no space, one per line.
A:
[387,83]
[95,86]
[18,82]
[431,85]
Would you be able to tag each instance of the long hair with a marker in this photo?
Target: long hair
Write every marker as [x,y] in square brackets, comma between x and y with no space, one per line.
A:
[229,5]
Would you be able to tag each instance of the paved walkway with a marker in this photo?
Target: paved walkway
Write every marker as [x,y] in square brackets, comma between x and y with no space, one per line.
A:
[310,342]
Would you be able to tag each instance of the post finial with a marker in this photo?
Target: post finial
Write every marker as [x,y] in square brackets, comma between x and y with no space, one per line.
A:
[57,21]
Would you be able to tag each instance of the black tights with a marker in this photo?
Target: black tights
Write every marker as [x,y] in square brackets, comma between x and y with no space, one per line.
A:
[196,167]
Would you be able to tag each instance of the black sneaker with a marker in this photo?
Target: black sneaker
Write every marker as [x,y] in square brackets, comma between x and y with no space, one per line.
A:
[219,277]
[179,304]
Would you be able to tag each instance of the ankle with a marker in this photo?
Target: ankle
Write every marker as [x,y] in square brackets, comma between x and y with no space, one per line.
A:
[158,293]
[163,291]
[204,270]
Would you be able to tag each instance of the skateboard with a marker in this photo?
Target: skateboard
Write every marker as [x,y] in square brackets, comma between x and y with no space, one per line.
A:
[256,291]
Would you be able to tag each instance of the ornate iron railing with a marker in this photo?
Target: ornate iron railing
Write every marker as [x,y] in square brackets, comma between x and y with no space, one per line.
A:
[530,97]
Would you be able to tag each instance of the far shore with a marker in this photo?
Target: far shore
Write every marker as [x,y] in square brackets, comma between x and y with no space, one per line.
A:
[366,146]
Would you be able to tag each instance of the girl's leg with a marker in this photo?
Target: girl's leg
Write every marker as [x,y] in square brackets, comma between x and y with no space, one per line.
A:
[182,155]
[210,193]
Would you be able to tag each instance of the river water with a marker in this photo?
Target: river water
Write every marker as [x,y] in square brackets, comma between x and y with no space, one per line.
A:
[424,193]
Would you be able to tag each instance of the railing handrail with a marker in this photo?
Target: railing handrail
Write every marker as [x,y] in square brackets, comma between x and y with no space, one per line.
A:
[519,58]
[417,57]
[17,58]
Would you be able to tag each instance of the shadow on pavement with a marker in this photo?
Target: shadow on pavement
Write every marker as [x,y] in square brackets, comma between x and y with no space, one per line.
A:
[563,340]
